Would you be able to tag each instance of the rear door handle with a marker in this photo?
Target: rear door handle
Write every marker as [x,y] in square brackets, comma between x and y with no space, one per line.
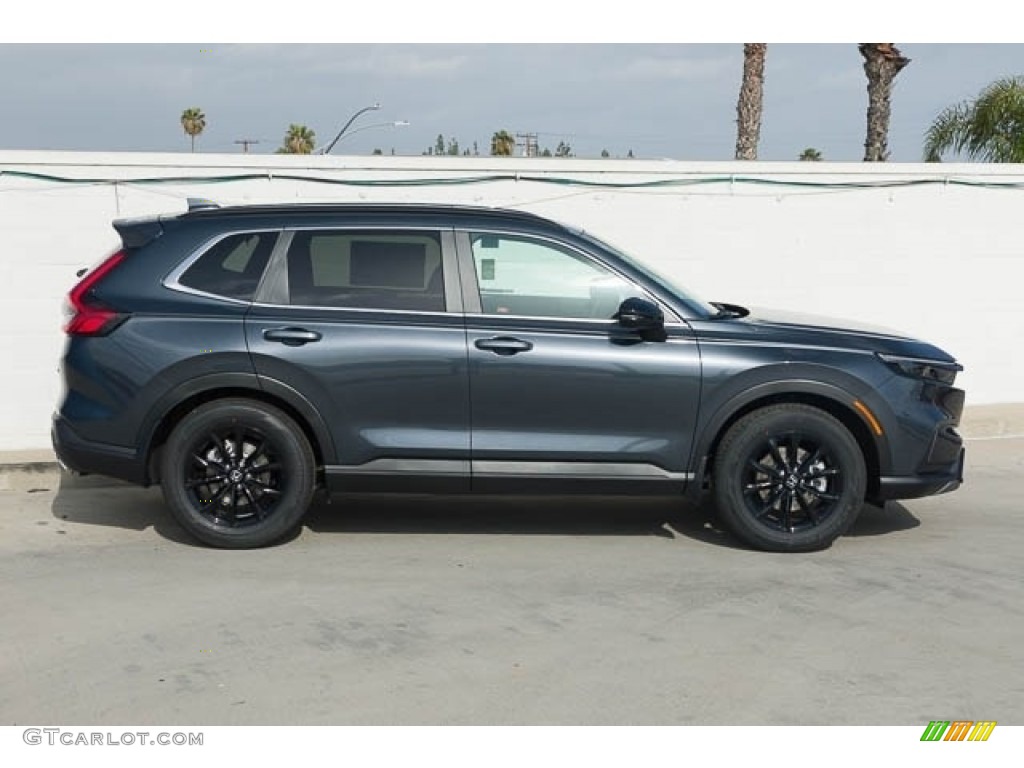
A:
[292,337]
[503,345]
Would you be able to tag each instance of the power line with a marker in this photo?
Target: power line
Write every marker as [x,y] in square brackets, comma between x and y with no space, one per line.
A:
[246,143]
[530,146]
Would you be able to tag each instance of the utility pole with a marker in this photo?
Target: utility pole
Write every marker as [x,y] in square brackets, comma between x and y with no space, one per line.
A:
[246,143]
[529,143]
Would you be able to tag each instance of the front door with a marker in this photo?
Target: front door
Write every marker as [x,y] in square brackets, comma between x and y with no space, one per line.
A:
[562,397]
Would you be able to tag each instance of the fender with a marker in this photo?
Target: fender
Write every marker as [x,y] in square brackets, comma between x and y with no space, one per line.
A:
[308,411]
[746,389]
[236,381]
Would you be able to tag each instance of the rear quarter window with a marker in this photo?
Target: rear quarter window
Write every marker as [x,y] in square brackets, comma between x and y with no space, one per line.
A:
[231,267]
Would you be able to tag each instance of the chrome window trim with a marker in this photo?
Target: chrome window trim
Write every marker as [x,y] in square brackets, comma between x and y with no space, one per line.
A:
[467,315]
[430,313]
[172,281]
[545,318]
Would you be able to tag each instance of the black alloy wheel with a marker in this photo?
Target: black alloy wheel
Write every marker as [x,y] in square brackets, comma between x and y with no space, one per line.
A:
[792,482]
[789,478]
[238,473]
[235,479]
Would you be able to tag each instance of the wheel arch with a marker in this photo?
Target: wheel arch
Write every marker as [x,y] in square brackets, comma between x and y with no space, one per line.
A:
[185,398]
[833,400]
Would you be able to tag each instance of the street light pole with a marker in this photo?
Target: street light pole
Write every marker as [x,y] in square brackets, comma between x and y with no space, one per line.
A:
[387,124]
[344,128]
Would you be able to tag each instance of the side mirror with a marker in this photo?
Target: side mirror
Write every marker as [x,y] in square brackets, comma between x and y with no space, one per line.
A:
[640,315]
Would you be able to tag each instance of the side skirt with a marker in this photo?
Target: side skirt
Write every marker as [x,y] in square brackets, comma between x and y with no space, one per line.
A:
[528,477]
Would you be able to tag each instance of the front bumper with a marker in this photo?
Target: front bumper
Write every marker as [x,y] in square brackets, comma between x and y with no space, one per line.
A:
[924,484]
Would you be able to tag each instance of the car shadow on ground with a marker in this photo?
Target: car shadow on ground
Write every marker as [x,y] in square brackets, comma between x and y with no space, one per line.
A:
[101,501]
[518,515]
[556,516]
[878,521]
[98,501]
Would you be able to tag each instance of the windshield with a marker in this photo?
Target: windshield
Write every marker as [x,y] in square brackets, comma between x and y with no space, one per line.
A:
[658,278]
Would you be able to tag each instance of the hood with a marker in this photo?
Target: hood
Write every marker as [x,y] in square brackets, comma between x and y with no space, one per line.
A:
[794,329]
[777,317]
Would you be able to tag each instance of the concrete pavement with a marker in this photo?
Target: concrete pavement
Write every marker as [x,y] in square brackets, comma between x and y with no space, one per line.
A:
[459,610]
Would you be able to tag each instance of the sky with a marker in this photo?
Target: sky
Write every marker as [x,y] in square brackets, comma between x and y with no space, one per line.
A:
[658,100]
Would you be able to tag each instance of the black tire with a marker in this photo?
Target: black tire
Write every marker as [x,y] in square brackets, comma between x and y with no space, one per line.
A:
[231,498]
[789,478]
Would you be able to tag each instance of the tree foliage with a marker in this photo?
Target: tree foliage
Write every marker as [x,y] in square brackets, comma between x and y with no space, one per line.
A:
[299,140]
[810,155]
[503,144]
[193,121]
[990,128]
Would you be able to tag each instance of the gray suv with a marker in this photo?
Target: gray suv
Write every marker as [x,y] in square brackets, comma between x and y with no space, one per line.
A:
[244,357]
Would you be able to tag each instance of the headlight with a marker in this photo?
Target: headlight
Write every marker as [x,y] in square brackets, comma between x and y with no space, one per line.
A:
[921,368]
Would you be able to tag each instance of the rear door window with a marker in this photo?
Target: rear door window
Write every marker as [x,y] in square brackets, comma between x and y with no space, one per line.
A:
[367,270]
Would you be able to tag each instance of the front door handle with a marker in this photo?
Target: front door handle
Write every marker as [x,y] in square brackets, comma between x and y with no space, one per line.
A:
[292,337]
[503,345]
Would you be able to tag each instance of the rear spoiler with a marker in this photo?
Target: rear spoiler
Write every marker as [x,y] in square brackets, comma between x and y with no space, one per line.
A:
[143,230]
[138,232]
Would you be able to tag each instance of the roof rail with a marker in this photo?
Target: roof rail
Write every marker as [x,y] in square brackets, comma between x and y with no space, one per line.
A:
[200,204]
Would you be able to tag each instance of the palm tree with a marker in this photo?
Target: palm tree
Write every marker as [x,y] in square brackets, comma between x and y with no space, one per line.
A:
[751,101]
[882,62]
[990,128]
[298,141]
[193,121]
[503,144]
[810,155]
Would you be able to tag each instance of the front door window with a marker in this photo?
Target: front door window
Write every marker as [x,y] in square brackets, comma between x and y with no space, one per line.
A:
[530,278]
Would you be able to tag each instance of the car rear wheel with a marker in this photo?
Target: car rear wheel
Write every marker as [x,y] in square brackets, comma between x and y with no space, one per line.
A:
[789,478]
[238,473]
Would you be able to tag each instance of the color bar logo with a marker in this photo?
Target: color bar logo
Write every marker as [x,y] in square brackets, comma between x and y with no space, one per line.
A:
[958,730]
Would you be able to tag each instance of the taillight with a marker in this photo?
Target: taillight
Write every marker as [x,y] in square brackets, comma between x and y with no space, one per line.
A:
[87,316]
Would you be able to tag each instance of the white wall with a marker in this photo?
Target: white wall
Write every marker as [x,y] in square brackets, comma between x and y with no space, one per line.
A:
[940,261]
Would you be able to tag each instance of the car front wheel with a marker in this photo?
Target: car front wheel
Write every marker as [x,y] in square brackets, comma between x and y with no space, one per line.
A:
[238,473]
[789,478]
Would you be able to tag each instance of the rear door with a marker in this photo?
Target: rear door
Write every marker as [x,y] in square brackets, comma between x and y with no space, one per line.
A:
[367,325]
